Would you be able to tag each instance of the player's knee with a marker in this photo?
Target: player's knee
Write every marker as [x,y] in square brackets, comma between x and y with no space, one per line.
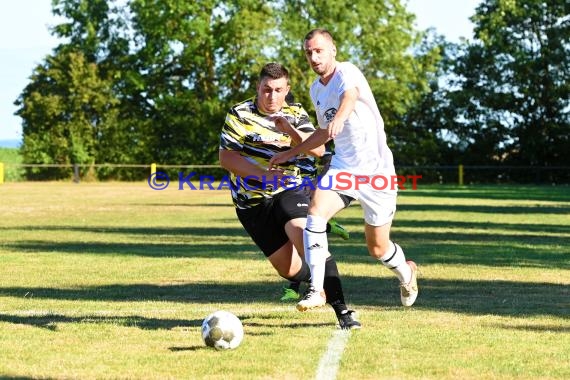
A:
[316,211]
[286,270]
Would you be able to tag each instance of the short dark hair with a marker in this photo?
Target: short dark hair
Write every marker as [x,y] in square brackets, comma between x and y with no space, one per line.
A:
[321,31]
[274,71]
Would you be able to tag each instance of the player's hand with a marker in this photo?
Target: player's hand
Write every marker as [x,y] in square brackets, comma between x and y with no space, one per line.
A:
[268,179]
[279,177]
[335,127]
[274,175]
[281,124]
[280,158]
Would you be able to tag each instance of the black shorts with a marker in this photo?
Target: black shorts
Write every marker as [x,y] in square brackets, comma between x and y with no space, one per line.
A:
[265,223]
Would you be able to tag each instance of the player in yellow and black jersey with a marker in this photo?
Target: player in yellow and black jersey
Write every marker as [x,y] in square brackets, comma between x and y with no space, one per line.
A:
[272,214]
[257,134]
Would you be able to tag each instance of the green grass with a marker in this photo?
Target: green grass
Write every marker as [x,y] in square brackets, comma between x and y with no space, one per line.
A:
[10,156]
[112,281]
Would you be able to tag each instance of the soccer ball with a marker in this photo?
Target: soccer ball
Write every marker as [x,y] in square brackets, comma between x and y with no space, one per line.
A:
[222,330]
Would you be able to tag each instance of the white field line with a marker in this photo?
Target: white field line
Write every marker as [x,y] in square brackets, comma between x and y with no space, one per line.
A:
[328,366]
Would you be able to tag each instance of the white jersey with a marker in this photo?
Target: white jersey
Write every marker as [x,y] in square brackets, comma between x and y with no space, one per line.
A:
[361,147]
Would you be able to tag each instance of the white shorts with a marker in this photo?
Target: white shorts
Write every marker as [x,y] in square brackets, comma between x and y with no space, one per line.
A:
[376,194]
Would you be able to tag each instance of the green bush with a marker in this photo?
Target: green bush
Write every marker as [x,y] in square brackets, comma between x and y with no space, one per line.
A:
[9,157]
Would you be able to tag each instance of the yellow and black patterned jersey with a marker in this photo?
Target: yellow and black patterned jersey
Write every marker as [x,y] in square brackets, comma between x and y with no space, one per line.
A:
[253,134]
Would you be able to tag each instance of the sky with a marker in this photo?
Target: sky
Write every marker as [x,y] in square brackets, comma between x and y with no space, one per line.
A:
[25,41]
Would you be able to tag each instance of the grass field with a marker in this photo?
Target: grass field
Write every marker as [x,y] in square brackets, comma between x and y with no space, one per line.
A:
[112,281]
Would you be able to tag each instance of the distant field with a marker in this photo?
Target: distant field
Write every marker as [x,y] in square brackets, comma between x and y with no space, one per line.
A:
[112,281]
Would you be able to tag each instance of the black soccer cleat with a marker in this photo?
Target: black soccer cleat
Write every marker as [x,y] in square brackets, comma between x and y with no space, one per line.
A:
[347,322]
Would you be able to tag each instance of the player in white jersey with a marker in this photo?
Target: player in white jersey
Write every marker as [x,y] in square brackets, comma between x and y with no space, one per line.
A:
[347,112]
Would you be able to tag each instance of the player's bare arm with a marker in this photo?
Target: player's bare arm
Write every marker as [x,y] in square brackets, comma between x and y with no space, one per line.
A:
[296,135]
[347,104]
[317,138]
[234,162]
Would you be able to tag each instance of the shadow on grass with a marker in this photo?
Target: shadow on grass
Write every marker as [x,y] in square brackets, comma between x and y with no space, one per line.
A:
[516,299]
[537,209]
[145,231]
[267,320]
[504,298]
[158,242]
[534,328]
[50,321]
[456,225]
[220,251]
[499,255]
[168,204]
[484,240]
[461,249]
[491,226]
[189,348]
[500,192]
[190,293]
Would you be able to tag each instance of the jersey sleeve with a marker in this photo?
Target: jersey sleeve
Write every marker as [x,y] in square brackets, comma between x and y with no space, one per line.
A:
[349,77]
[302,119]
[233,133]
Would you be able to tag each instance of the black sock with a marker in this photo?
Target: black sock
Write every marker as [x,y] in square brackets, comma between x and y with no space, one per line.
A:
[303,275]
[333,286]
[295,285]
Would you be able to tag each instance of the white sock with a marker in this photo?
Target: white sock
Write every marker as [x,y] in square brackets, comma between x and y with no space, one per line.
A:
[395,260]
[316,249]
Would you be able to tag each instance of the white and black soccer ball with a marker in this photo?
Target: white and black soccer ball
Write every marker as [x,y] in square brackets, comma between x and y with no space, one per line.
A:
[222,330]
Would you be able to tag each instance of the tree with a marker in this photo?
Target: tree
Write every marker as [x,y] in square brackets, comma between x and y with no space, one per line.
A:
[67,110]
[72,112]
[195,59]
[511,89]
